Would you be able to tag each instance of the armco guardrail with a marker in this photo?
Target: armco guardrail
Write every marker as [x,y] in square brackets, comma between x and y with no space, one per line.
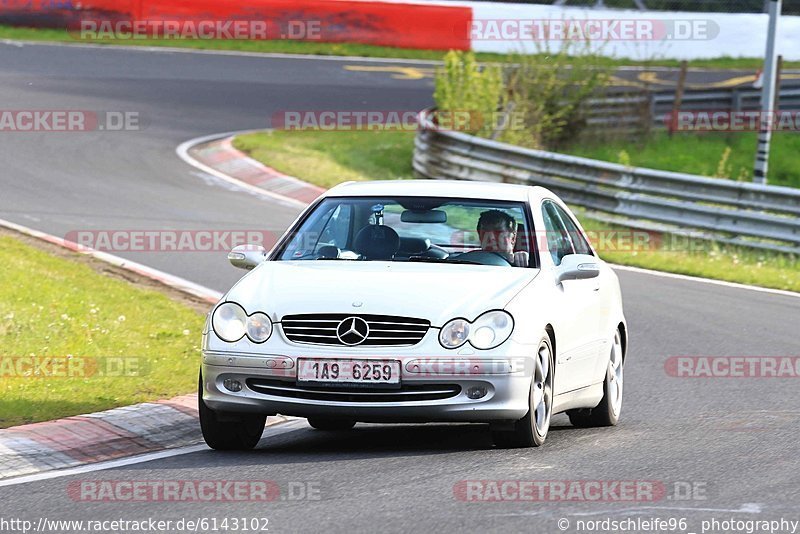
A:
[733,212]
[633,112]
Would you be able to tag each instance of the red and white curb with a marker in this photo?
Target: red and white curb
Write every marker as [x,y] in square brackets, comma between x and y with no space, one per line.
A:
[103,436]
[97,437]
[215,155]
[130,431]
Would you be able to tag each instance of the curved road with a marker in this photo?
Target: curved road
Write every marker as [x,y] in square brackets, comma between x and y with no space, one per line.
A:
[734,440]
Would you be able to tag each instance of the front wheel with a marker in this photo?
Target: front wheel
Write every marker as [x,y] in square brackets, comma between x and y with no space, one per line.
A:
[236,433]
[607,412]
[531,430]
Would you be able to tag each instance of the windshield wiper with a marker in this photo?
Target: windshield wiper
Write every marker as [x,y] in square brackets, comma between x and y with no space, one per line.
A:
[427,259]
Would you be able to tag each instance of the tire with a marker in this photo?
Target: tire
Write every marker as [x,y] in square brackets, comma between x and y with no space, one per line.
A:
[331,424]
[607,412]
[531,430]
[240,434]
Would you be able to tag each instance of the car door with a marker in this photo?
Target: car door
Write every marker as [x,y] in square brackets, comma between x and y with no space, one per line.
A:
[577,328]
[603,286]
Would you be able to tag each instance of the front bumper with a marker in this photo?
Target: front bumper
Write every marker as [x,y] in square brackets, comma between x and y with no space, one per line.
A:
[433,390]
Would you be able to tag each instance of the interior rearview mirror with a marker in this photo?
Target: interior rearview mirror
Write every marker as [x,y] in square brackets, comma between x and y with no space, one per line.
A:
[424,216]
[247,256]
[578,267]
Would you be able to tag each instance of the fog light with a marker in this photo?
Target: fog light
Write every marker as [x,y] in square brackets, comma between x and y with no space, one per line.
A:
[476,392]
[233,385]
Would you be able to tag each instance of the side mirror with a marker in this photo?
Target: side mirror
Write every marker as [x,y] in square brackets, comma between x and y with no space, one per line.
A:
[577,267]
[247,256]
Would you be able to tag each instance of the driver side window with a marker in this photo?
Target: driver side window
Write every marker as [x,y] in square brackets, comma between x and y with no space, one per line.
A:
[558,241]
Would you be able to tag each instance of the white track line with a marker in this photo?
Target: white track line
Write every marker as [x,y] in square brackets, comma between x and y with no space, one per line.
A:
[183,152]
[722,283]
[274,429]
[175,282]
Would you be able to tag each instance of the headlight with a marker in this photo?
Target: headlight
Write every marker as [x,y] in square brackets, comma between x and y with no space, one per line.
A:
[454,334]
[490,330]
[259,327]
[231,323]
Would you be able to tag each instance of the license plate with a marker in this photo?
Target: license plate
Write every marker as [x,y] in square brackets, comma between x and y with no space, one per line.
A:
[361,372]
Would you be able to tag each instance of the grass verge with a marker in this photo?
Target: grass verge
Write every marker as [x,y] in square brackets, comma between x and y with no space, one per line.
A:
[721,155]
[96,340]
[348,49]
[328,158]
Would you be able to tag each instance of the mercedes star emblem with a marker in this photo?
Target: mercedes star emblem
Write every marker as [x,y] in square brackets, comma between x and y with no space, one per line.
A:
[352,331]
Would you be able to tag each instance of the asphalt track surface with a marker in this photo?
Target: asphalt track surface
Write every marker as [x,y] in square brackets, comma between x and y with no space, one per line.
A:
[733,439]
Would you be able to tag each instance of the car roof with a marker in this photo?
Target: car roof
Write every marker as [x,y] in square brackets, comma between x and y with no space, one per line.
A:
[439,188]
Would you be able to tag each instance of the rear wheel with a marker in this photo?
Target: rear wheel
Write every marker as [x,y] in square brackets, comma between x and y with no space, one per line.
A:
[228,432]
[328,423]
[607,412]
[531,430]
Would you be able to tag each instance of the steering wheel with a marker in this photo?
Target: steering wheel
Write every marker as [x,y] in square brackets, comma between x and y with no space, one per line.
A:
[485,257]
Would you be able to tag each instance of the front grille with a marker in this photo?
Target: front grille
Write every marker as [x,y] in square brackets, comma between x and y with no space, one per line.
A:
[278,388]
[384,330]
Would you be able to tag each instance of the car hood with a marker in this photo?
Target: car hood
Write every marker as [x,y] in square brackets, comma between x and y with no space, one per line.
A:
[435,292]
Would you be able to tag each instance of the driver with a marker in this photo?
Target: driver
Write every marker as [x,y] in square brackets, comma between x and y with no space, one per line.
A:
[497,231]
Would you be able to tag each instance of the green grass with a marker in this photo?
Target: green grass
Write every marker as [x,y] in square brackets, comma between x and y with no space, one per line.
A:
[707,260]
[704,154]
[351,49]
[328,158]
[55,307]
[239,45]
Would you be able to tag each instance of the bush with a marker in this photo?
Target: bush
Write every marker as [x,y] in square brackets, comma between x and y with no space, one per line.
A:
[463,86]
[552,93]
[542,98]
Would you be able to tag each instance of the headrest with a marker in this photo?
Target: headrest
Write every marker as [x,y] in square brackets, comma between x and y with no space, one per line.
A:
[377,242]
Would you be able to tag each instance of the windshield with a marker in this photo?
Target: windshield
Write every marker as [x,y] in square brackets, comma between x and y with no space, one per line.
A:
[413,229]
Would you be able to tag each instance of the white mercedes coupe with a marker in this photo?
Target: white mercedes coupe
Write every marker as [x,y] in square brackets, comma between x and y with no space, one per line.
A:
[418,301]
